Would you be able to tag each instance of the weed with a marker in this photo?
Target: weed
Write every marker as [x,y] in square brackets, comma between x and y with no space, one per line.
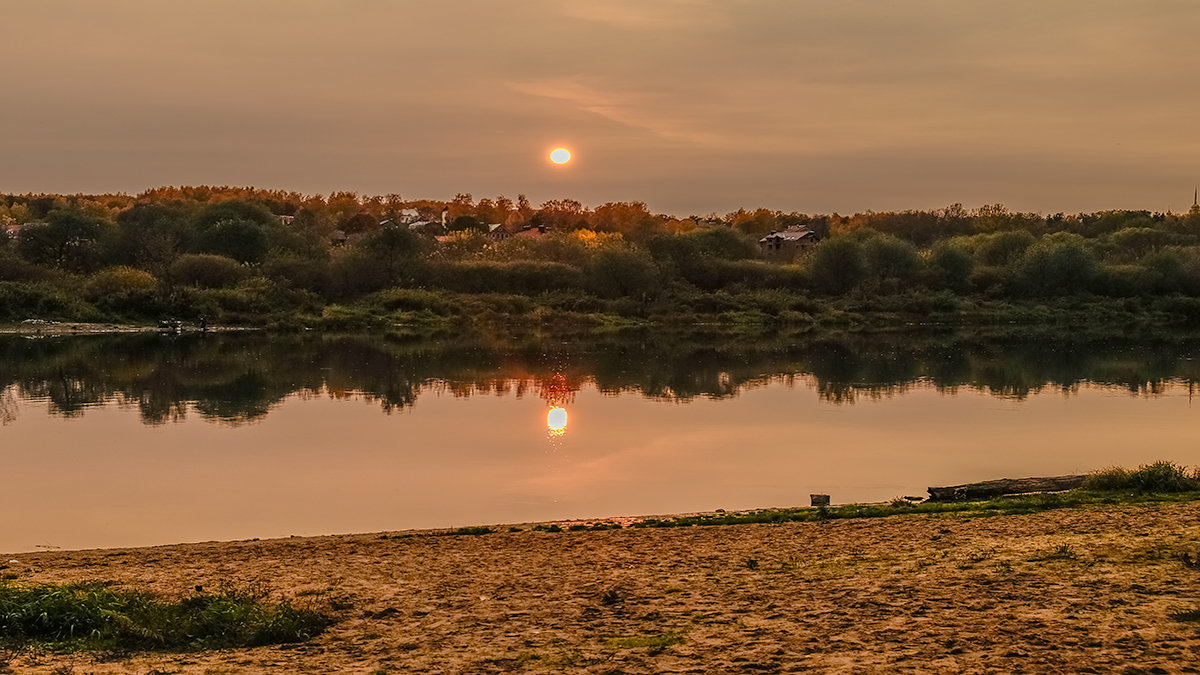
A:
[751,563]
[1062,552]
[610,597]
[655,643]
[547,528]
[95,616]
[466,531]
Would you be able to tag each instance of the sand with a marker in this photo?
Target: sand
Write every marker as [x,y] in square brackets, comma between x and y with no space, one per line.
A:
[1083,590]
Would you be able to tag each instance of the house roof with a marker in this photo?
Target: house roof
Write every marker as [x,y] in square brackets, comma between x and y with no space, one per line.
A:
[790,234]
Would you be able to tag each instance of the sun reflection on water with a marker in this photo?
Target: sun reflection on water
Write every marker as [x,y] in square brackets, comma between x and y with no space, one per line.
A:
[556,421]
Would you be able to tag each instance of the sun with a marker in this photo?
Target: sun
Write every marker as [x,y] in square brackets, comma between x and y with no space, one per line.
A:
[560,156]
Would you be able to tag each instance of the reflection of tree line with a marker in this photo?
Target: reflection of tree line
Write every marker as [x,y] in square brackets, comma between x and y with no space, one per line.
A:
[239,377]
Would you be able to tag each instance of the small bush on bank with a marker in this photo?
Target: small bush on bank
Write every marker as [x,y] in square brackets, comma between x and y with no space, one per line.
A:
[1156,477]
[206,270]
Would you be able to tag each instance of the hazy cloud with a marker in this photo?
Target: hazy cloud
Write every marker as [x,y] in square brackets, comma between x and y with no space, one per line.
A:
[689,105]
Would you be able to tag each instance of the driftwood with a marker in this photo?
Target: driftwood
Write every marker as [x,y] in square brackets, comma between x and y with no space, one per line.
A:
[1004,486]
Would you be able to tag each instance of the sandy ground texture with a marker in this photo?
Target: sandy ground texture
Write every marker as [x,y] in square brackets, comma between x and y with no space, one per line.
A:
[1087,590]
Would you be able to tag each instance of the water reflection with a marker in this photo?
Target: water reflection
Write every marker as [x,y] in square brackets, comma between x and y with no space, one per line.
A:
[556,421]
[236,436]
[240,378]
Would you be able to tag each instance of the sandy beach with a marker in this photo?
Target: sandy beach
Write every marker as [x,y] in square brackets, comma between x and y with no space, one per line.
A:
[1084,590]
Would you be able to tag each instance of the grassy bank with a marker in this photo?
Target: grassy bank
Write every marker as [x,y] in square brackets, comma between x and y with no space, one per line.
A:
[97,616]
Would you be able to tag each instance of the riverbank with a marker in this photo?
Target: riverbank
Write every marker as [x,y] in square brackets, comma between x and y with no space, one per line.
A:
[1081,590]
[42,327]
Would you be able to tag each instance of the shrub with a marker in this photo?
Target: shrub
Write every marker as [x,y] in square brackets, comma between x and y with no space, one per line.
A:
[1157,477]
[242,240]
[616,273]
[890,258]
[42,300]
[117,281]
[837,266]
[1058,265]
[951,266]
[523,277]
[1001,248]
[298,272]
[206,270]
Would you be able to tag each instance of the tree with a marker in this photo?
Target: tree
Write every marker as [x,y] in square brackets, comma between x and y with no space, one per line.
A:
[837,265]
[242,240]
[891,258]
[1058,264]
[148,236]
[68,240]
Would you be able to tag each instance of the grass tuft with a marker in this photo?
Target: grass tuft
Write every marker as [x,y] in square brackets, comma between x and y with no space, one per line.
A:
[656,642]
[95,616]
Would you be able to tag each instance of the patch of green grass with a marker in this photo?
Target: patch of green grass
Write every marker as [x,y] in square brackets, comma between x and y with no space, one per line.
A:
[95,616]
[466,531]
[1160,477]
[999,506]
[655,643]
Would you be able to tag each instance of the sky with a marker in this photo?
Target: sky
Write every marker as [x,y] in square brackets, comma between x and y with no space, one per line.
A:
[692,106]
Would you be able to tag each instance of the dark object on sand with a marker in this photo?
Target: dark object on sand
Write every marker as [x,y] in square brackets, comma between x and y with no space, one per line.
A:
[1005,486]
[1190,561]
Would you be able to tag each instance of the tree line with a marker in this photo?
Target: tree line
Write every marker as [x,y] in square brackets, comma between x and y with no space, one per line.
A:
[248,255]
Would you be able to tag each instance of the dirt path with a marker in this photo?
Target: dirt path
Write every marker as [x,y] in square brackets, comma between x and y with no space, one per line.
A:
[1072,590]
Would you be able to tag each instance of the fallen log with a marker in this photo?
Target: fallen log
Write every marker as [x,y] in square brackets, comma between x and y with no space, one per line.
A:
[1004,486]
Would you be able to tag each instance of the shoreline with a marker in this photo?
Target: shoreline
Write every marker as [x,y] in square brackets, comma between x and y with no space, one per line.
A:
[1061,590]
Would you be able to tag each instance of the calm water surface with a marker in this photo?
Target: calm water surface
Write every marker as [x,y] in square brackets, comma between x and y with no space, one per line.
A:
[137,440]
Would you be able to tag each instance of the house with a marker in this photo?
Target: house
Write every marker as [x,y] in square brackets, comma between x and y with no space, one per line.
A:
[788,243]
[531,232]
[286,220]
[497,232]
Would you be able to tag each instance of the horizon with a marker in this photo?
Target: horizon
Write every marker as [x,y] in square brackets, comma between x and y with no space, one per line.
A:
[750,208]
[691,106]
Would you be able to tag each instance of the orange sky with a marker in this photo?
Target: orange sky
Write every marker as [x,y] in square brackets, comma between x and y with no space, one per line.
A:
[689,105]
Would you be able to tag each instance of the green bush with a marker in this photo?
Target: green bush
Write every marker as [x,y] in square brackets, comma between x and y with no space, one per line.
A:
[1058,264]
[119,281]
[951,266]
[205,270]
[522,277]
[42,300]
[1157,477]
[837,265]
[615,273]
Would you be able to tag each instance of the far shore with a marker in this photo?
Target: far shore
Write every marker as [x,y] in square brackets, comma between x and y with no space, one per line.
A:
[88,328]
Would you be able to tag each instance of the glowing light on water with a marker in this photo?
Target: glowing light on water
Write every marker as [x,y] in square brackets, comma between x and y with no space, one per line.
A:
[556,421]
